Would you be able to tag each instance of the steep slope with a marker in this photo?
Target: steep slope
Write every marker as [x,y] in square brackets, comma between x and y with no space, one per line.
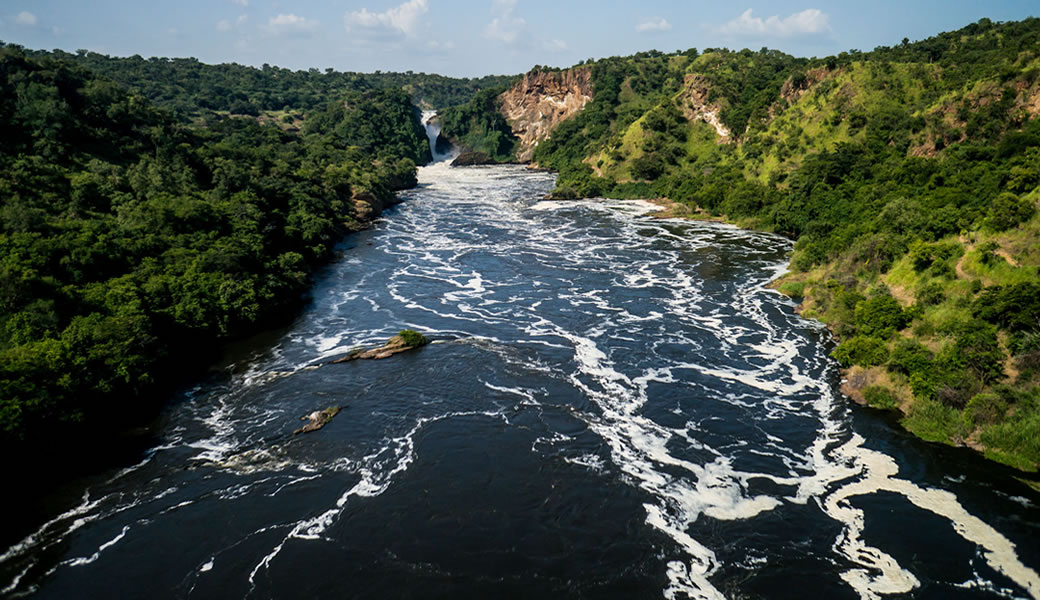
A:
[540,101]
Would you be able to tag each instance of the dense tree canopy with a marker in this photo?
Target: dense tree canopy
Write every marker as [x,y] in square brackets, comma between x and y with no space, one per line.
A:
[189,88]
[128,240]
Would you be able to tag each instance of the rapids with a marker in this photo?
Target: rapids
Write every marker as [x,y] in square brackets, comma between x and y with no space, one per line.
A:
[612,406]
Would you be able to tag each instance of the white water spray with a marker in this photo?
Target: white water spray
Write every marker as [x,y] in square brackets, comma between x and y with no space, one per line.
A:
[433,130]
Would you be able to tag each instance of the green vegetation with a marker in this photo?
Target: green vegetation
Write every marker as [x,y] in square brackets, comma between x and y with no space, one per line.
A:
[190,89]
[477,126]
[908,176]
[131,242]
[413,338]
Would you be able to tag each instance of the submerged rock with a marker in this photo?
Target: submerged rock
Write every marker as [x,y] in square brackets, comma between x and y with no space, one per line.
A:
[406,340]
[317,419]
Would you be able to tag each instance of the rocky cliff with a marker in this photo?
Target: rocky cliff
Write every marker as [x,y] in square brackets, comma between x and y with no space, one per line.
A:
[695,106]
[541,101]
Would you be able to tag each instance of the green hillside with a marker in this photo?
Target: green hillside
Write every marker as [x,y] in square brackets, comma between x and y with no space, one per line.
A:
[909,178]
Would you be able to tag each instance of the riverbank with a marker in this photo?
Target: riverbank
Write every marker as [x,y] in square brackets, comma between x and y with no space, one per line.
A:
[999,419]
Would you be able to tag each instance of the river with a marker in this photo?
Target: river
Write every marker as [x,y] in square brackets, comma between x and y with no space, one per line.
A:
[613,406]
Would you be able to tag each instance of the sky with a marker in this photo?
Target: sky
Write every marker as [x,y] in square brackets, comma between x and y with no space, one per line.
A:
[472,38]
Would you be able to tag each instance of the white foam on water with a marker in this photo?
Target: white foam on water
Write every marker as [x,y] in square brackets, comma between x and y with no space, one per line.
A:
[882,574]
[77,562]
[758,365]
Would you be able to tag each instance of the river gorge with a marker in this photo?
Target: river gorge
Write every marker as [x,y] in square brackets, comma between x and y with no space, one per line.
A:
[612,406]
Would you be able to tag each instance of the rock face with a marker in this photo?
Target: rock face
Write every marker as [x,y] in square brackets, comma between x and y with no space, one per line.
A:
[793,89]
[538,103]
[695,106]
[406,340]
[368,206]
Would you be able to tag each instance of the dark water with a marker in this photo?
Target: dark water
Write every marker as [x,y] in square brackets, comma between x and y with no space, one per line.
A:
[613,407]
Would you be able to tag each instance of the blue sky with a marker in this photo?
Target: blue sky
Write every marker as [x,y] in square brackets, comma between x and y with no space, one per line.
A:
[470,38]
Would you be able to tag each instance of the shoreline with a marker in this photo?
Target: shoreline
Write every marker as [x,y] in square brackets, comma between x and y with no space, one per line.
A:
[854,379]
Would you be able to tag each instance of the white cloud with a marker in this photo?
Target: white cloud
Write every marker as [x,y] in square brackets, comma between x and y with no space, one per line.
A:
[290,24]
[25,18]
[240,2]
[401,19]
[505,27]
[555,46]
[223,25]
[807,22]
[654,24]
[440,46]
[241,19]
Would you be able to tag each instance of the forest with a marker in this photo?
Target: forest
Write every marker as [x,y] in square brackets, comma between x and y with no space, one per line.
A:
[133,243]
[190,89]
[907,175]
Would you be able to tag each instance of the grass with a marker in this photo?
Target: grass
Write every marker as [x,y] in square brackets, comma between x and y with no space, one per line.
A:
[935,422]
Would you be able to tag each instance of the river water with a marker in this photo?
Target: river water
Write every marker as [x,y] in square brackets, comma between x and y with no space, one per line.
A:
[613,406]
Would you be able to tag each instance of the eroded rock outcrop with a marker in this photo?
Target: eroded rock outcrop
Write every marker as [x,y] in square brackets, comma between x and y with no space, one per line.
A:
[317,419]
[539,102]
[404,341]
[797,86]
[471,159]
[695,106]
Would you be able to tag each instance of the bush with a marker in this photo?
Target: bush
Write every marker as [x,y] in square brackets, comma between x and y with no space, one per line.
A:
[413,338]
[935,422]
[976,350]
[1014,307]
[880,316]
[908,357]
[985,409]
[924,256]
[880,397]
[1008,210]
[861,350]
[931,293]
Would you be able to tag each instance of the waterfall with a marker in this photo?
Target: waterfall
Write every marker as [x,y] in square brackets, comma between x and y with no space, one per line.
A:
[440,148]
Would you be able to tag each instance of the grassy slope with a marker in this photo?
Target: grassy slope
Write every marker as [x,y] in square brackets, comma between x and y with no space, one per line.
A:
[931,128]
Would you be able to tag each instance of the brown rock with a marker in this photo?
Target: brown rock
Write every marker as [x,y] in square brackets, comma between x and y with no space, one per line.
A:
[539,102]
[317,419]
[394,345]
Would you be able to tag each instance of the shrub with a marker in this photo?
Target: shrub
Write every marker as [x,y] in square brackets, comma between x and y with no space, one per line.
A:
[1014,307]
[985,409]
[413,338]
[1008,210]
[908,357]
[931,293]
[880,316]
[976,350]
[880,397]
[935,422]
[923,255]
[861,350]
